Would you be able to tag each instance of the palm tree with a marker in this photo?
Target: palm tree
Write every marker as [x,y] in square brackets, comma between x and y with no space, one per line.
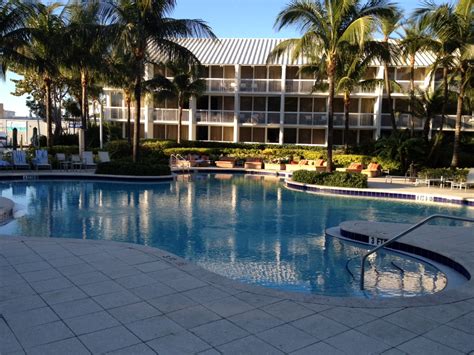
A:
[388,25]
[42,52]
[452,25]
[12,23]
[327,27]
[144,24]
[427,104]
[184,85]
[88,39]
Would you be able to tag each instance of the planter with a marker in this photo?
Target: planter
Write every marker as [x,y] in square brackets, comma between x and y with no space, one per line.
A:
[275,166]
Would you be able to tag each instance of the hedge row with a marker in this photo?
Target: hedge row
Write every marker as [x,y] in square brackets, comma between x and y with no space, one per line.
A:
[446,173]
[121,167]
[338,179]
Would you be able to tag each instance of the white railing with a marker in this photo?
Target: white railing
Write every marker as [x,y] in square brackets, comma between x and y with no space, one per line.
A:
[253,118]
[311,119]
[214,116]
[120,113]
[169,115]
[299,86]
[221,85]
[467,122]
[260,85]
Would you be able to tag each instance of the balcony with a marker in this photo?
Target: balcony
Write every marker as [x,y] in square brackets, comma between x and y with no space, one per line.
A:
[254,118]
[403,121]
[405,86]
[313,119]
[260,85]
[169,115]
[204,116]
[299,86]
[120,113]
[221,85]
[362,120]
[467,122]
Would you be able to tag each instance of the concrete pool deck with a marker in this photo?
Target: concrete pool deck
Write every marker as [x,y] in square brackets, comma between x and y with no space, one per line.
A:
[67,296]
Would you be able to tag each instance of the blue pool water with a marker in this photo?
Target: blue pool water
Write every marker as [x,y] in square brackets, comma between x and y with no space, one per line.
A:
[244,227]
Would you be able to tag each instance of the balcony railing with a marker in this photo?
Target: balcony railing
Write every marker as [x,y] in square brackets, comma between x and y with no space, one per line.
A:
[299,86]
[405,86]
[169,115]
[214,116]
[120,113]
[312,119]
[260,85]
[467,122]
[253,118]
[221,85]
[403,121]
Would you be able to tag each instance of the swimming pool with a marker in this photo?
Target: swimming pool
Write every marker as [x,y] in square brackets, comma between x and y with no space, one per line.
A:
[247,228]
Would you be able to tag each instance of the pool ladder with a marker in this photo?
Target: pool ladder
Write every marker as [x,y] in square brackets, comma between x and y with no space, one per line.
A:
[405,232]
[178,162]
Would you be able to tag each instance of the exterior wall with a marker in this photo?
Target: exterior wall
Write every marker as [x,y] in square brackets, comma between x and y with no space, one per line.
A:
[274,104]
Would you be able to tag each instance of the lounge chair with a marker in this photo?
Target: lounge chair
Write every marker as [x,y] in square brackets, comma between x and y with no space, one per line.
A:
[104,157]
[373,170]
[41,159]
[19,160]
[88,159]
[352,168]
[62,161]
[226,162]
[253,163]
[320,165]
[3,163]
[198,160]
[76,161]
[460,184]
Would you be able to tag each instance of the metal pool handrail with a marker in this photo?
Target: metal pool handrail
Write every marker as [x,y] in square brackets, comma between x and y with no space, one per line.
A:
[405,232]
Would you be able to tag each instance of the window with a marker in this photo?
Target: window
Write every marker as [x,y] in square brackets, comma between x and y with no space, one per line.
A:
[159,131]
[245,134]
[320,104]
[260,72]
[401,105]
[274,104]
[367,105]
[216,133]
[306,105]
[184,132]
[338,105]
[274,72]
[229,103]
[289,136]
[228,134]
[370,73]
[304,136]
[403,73]
[217,72]
[366,136]
[202,133]
[246,103]
[420,74]
[229,72]
[259,103]
[203,103]
[273,135]
[246,72]
[172,132]
[291,73]
[337,136]
[391,73]
[385,106]
[216,103]
[319,136]
[116,99]
[354,106]
[258,135]
[291,104]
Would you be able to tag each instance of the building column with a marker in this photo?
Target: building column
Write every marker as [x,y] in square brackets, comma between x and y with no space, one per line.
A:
[282,104]
[237,103]
[148,109]
[378,104]
[192,119]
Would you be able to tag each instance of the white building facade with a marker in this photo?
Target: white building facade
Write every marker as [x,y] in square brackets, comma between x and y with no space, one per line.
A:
[251,100]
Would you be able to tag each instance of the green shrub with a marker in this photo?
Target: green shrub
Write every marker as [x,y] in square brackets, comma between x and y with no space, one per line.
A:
[446,173]
[119,149]
[125,167]
[344,160]
[338,179]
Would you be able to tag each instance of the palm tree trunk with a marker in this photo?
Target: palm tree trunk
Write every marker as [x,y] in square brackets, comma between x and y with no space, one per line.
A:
[445,98]
[412,93]
[347,101]
[457,131]
[84,108]
[388,90]
[128,100]
[180,116]
[331,74]
[136,130]
[48,108]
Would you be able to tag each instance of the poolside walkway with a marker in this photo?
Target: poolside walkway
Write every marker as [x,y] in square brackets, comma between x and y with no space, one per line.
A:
[65,296]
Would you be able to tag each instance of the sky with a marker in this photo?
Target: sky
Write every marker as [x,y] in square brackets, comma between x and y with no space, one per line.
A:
[228,18]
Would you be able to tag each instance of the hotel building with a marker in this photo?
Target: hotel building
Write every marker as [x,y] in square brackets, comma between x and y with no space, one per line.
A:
[250,100]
